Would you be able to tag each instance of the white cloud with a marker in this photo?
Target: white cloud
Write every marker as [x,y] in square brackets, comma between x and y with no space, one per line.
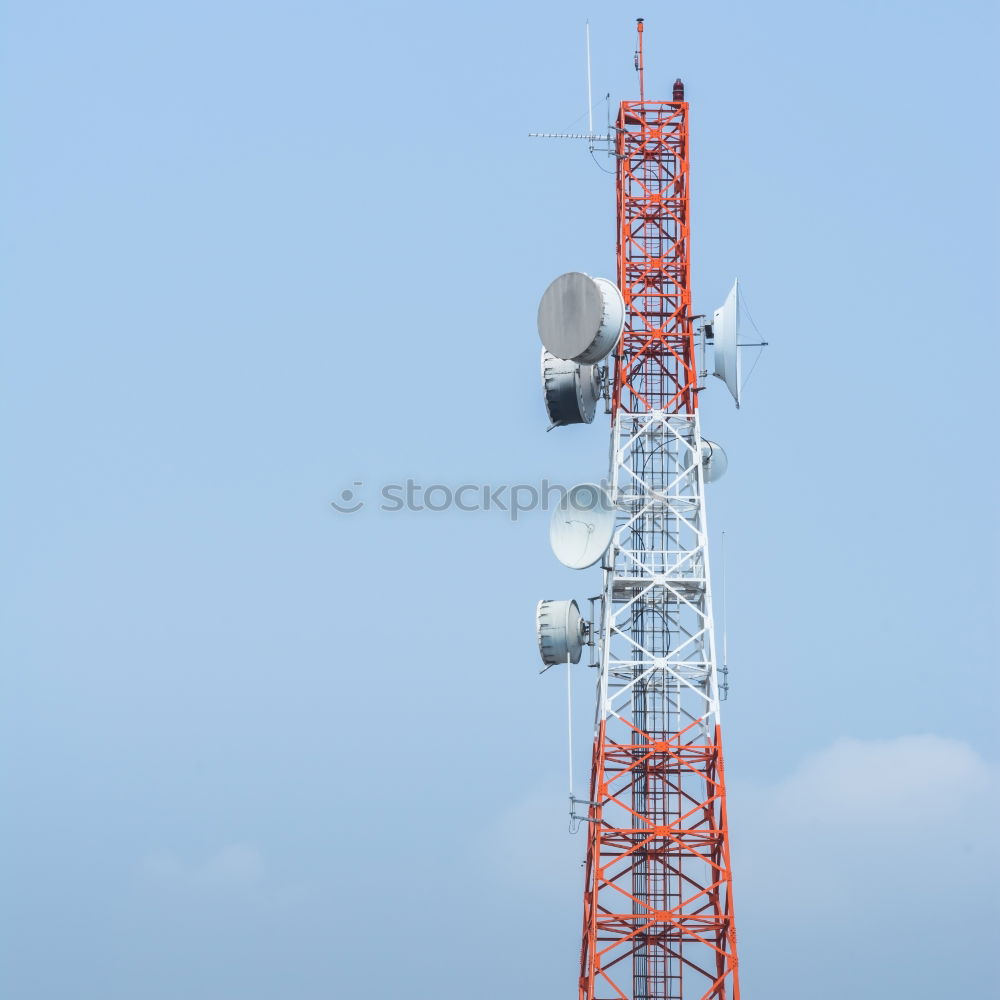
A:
[860,810]
[869,870]
[234,868]
[528,844]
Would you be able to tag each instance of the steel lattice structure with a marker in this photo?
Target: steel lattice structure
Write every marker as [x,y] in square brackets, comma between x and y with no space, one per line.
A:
[658,906]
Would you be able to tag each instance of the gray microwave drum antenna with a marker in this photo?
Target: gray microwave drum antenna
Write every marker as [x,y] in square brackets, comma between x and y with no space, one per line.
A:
[713,461]
[562,632]
[581,318]
[582,526]
[571,390]
[725,331]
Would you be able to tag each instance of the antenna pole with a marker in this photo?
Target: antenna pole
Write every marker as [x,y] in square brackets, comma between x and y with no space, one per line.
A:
[725,618]
[590,102]
[638,61]
[569,729]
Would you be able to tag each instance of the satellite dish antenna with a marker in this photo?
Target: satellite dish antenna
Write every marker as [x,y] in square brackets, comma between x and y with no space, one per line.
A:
[713,461]
[582,526]
[562,632]
[571,390]
[581,318]
[725,330]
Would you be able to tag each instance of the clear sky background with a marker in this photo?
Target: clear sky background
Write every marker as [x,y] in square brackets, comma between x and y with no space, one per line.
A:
[257,252]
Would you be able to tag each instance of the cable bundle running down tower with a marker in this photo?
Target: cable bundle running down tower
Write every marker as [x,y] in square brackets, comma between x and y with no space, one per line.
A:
[658,906]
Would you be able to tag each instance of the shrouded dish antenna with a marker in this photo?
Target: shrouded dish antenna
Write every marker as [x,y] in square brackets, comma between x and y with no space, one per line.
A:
[725,329]
[562,632]
[713,461]
[580,318]
[571,390]
[582,526]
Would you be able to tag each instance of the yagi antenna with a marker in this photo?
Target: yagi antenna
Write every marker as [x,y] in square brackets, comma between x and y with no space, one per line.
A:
[594,139]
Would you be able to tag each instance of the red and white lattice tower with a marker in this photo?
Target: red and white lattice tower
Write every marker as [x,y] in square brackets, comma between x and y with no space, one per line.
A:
[658,903]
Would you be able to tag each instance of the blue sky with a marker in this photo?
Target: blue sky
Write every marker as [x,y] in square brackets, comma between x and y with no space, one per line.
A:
[256,253]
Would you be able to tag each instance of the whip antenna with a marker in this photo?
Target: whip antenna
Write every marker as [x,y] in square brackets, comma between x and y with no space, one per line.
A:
[590,101]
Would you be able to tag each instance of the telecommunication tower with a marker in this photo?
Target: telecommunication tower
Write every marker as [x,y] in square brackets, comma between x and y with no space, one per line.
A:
[658,920]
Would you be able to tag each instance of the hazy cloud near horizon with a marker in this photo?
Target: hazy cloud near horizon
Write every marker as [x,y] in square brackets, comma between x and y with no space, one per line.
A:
[235,867]
[878,844]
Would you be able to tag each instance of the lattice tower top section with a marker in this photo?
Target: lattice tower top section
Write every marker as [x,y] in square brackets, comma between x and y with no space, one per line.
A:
[655,368]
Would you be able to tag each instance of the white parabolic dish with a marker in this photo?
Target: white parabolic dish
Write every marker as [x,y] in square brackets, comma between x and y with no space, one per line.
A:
[726,330]
[713,461]
[582,526]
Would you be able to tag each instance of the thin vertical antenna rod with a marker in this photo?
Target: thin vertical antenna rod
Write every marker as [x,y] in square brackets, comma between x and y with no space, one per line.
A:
[590,101]
[638,61]
[725,616]
[569,729]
